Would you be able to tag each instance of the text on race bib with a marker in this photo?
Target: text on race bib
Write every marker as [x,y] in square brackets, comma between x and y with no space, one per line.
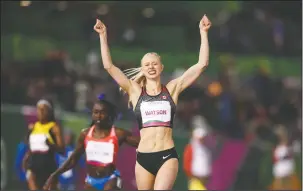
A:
[102,152]
[155,111]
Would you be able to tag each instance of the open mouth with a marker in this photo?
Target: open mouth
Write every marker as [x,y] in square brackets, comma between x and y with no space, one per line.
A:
[152,72]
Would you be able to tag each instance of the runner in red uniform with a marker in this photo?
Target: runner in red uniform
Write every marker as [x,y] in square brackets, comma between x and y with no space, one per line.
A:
[100,143]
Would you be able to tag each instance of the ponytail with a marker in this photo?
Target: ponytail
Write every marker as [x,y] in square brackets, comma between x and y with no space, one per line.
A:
[135,75]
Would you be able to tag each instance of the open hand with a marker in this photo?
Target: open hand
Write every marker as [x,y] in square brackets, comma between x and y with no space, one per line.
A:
[205,24]
[100,27]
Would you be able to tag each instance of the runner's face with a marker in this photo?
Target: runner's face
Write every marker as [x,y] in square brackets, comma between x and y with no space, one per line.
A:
[42,112]
[151,66]
[100,115]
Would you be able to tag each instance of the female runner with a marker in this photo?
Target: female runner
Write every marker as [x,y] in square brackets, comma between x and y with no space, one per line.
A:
[154,105]
[100,143]
[44,140]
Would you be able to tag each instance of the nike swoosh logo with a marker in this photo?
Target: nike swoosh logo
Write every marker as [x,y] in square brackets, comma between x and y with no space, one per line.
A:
[165,157]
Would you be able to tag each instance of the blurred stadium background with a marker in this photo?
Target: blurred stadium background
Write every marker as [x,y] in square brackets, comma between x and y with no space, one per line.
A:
[253,82]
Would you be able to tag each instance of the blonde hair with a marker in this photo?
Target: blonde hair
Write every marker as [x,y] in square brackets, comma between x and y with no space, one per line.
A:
[136,75]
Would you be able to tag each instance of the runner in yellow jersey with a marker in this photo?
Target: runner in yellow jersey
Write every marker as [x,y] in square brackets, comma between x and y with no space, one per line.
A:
[44,140]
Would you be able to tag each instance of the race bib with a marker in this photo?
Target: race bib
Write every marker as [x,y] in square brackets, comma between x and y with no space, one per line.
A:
[155,112]
[37,142]
[102,152]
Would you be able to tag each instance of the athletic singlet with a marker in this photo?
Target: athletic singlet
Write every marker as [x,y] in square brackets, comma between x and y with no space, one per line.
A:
[153,111]
[101,152]
[38,136]
[41,155]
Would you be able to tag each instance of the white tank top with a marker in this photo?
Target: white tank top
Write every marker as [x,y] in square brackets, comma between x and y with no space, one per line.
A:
[283,166]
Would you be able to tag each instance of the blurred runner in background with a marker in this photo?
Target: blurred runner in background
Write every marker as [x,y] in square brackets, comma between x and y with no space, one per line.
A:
[44,141]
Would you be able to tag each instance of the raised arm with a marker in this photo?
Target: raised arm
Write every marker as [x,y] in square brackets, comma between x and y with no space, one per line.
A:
[114,71]
[127,137]
[70,163]
[192,74]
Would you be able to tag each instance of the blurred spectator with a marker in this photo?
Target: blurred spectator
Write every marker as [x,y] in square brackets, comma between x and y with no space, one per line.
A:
[285,177]
[82,89]
[93,63]
[197,160]
[263,86]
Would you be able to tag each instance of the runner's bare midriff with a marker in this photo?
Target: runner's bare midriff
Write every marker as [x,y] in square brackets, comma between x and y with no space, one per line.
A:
[155,139]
